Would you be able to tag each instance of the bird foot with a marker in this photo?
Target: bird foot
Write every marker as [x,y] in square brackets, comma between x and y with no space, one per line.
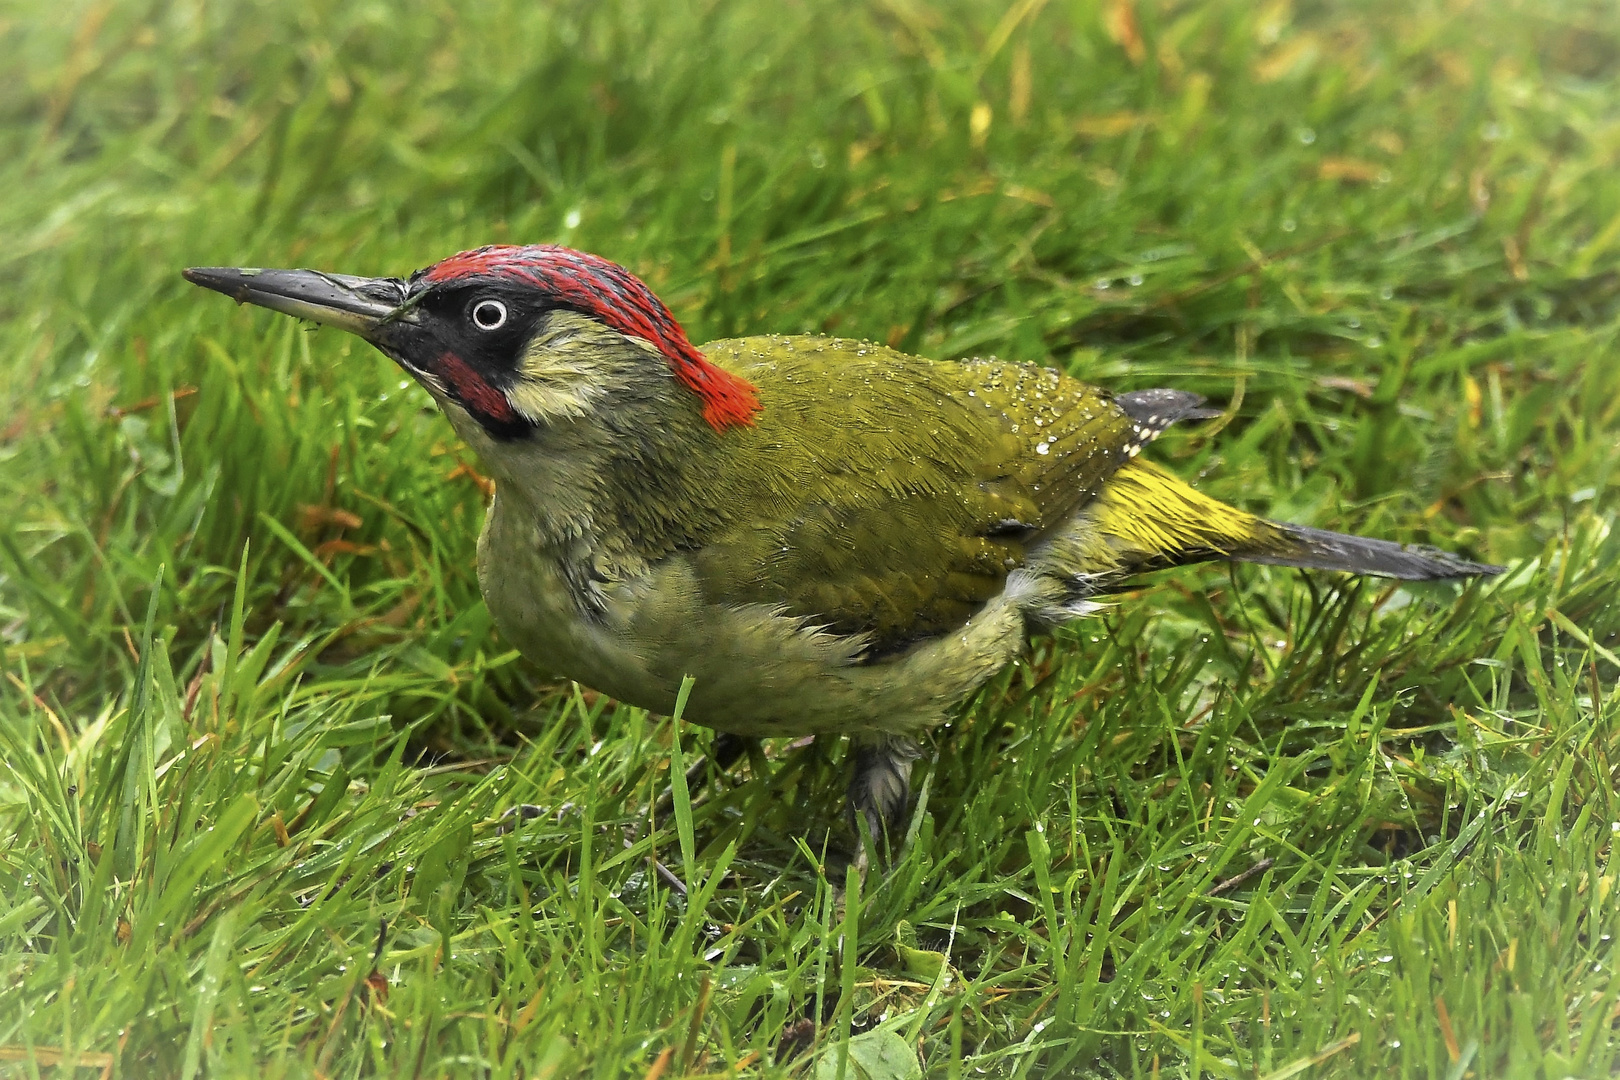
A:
[879,794]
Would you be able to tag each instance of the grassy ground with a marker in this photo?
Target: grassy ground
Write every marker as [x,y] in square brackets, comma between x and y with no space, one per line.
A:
[258,732]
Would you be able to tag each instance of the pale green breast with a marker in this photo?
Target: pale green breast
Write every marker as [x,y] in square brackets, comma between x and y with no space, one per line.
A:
[888,495]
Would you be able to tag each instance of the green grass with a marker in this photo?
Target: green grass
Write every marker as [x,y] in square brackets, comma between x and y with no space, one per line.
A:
[1246,823]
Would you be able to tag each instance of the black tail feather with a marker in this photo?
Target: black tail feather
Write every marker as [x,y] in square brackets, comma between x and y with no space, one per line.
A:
[1319,549]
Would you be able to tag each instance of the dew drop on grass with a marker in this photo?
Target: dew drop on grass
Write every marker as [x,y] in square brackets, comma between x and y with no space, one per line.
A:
[1394,1044]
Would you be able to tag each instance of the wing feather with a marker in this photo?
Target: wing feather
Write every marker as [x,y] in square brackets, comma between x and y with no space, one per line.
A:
[888,496]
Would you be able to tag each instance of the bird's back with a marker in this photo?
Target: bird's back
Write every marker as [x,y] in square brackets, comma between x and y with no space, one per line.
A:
[891,496]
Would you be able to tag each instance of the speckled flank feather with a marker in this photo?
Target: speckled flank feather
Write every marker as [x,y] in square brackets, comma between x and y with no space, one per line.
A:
[610,293]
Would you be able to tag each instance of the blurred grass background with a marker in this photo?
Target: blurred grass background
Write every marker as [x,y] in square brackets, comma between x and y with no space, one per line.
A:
[259,734]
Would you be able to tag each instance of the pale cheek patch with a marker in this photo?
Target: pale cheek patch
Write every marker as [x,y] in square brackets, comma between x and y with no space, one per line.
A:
[564,369]
[540,402]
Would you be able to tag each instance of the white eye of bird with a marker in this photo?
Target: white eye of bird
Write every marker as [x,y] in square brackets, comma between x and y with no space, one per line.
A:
[489,314]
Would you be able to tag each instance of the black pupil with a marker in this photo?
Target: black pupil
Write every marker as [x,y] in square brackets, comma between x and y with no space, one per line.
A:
[487,314]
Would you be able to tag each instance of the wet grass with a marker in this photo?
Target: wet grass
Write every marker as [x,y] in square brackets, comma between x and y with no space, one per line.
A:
[260,739]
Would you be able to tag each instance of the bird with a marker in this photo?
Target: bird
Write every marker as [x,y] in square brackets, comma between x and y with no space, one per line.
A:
[828,537]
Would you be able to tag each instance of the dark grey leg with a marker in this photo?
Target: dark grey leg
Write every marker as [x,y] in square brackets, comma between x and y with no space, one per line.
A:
[724,753]
[880,792]
[727,749]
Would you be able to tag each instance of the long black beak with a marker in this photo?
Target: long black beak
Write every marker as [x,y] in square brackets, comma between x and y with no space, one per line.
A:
[363,306]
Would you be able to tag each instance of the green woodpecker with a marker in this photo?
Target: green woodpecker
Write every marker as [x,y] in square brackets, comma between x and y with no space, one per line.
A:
[829,536]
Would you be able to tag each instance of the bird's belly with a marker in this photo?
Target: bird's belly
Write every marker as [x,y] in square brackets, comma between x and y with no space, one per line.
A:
[755,672]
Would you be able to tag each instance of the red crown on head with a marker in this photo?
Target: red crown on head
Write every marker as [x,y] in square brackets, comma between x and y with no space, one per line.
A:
[608,292]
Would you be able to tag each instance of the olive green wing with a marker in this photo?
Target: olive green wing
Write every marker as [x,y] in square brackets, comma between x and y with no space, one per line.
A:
[890,496]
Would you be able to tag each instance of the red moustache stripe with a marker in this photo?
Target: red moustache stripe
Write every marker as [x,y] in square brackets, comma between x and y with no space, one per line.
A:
[473,390]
